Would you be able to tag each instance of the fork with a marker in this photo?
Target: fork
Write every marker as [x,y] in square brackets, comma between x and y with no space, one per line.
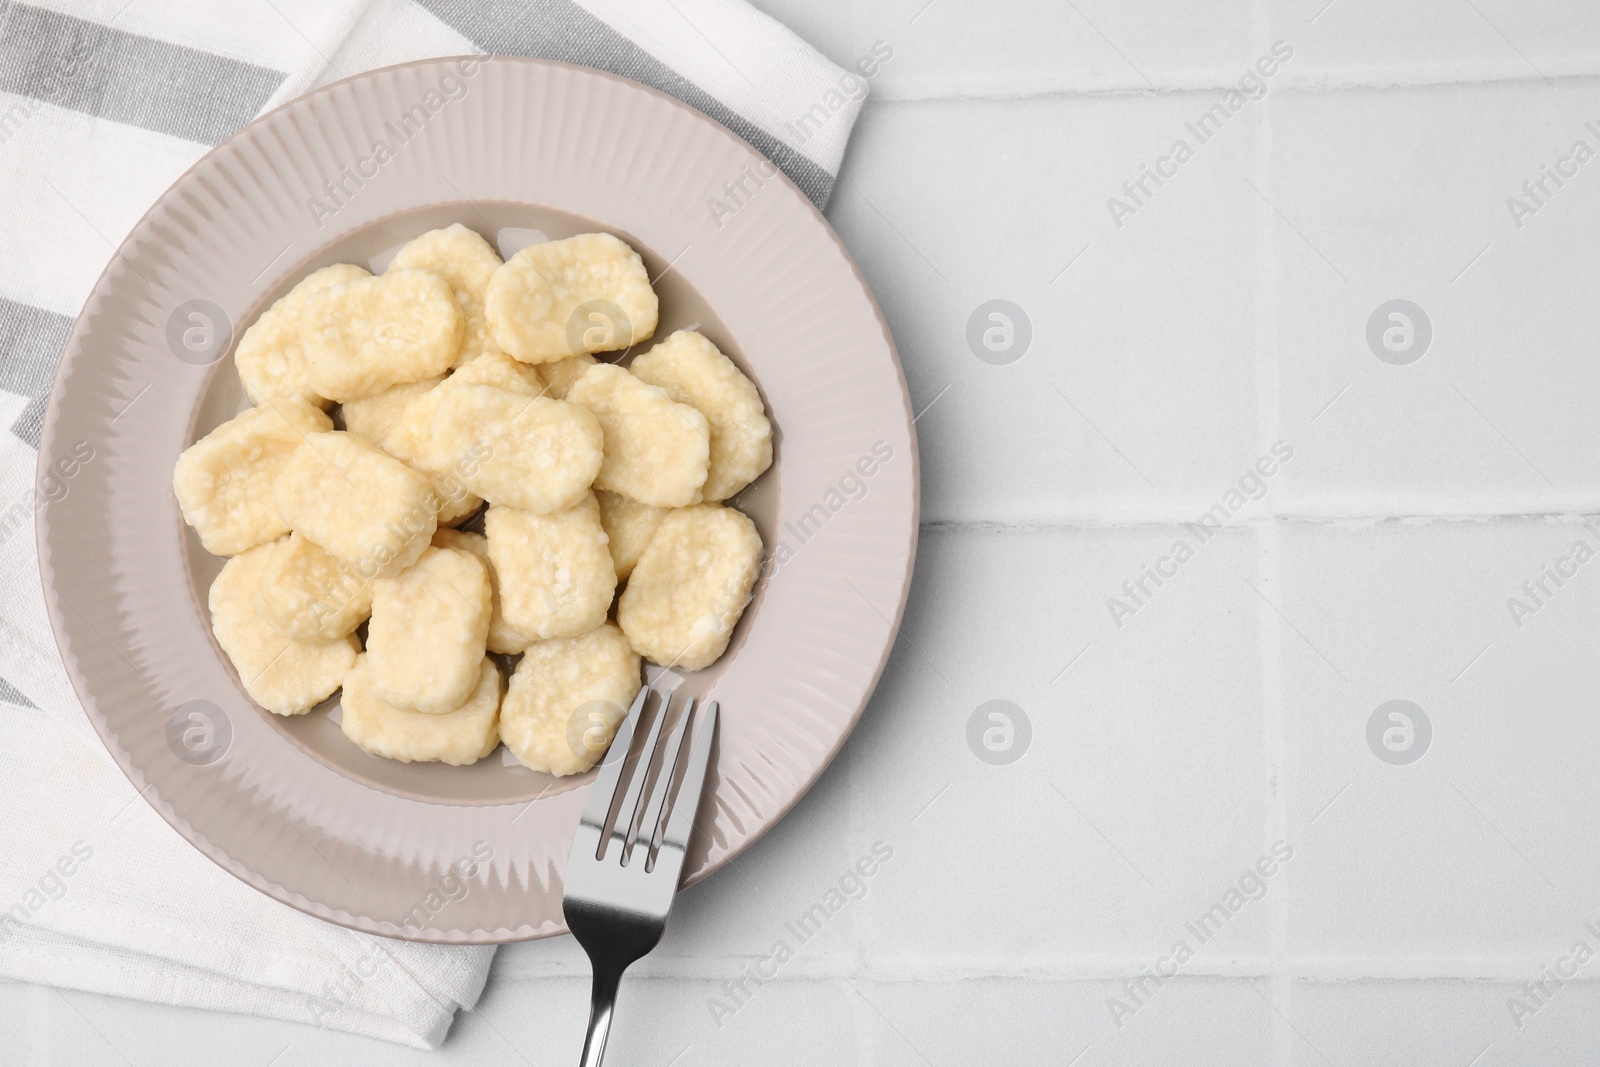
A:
[618,894]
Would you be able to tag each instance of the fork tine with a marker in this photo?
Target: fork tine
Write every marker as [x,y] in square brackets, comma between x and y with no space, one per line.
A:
[621,831]
[651,823]
[694,780]
[604,789]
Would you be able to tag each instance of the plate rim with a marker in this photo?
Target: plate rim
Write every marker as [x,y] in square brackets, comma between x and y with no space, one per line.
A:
[72,352]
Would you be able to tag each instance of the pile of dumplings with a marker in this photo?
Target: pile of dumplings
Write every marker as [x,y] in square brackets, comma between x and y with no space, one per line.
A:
[463,381]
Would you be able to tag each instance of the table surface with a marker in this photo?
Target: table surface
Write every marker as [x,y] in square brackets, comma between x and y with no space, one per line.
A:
[1198,505]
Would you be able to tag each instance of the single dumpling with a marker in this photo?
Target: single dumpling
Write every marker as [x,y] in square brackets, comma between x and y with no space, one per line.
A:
[566,699]
[530,452]
[588,293]
[657,450]
[691,370]
[360,505]
[271,363]
[308,595]
[466,262]
[458,737]
[691,585]
[224,481]
[285,676]
[429,630]
[363,336]
[555,571]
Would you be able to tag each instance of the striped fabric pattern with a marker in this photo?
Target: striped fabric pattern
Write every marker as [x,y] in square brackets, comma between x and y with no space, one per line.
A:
[103,104]
[98,115]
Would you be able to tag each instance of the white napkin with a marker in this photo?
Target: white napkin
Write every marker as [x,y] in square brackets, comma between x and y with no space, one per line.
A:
[100,110]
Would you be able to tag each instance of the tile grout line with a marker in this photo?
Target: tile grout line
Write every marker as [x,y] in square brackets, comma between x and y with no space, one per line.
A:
[1304,85]
[1270,419]
[1180,516]
[1365,969]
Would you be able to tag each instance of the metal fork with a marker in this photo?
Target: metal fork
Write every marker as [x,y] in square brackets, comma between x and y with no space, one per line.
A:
[618,894]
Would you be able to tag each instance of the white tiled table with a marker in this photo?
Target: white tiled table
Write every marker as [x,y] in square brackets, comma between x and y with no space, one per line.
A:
[1229,711]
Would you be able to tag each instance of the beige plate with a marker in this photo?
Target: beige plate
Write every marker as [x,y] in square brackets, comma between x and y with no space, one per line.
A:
[519,150]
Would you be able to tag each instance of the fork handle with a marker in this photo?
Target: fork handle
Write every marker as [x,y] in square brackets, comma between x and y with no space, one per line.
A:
[602,1004]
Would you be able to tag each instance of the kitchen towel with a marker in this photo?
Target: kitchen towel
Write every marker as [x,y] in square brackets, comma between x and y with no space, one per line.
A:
[102,106]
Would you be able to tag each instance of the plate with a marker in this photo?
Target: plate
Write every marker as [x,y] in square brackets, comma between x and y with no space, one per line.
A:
[520,150]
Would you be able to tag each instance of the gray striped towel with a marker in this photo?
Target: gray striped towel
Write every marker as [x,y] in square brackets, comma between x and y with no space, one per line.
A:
[100,110]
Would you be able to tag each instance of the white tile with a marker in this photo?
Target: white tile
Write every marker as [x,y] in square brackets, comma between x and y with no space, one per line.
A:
[1137,391]
[964,48]
[1139,798]
[1443,1022]
[1406,41]
[1188,1020]
[954,48]
[1481,847]
[681,1021]
[18,1019]
[1392,195]
[784,1022]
